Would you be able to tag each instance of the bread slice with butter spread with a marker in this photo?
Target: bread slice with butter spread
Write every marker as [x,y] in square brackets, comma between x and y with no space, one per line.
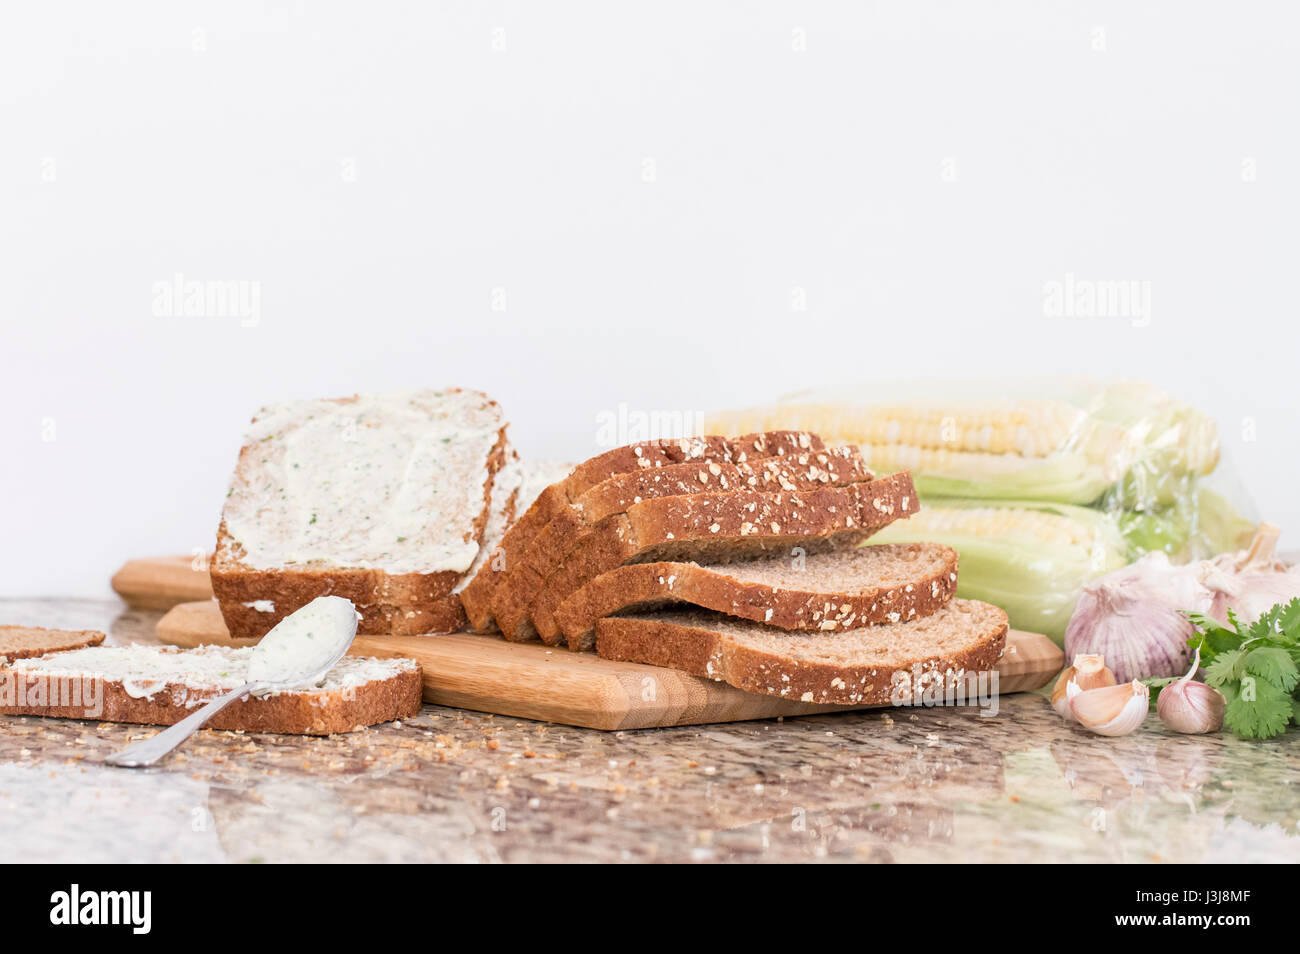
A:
[160,685]
[379,498]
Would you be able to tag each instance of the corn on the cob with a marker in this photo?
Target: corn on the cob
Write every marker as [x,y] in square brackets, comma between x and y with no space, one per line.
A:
[1126,435]
[1022,428]
[1030,558]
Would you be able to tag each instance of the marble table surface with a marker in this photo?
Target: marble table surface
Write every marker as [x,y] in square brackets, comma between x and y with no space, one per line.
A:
[452,785]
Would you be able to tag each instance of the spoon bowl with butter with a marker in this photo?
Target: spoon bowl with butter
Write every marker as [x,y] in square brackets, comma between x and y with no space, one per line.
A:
[296,653]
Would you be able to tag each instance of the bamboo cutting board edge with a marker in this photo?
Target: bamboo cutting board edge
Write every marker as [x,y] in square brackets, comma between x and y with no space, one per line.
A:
[532,681]
[159,583]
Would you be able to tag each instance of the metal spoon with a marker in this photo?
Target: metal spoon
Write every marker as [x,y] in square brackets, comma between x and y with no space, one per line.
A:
[298,652]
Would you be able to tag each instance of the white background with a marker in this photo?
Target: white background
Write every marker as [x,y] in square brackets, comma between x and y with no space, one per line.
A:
[380,169]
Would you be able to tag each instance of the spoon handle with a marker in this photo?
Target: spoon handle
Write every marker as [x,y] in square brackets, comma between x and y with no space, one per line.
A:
[152,749]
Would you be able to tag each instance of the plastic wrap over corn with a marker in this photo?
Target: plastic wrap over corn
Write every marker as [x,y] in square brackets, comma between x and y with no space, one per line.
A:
[1039,486]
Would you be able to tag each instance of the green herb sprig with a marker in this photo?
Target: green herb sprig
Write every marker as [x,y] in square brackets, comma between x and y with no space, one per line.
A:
[1255,666]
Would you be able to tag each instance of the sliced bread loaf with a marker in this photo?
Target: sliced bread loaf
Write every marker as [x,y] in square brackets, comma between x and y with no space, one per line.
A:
[160,685]
[381,499]
[647,455]
[827,592]
[22,642]
[831,467]
[723,528]
[859,667]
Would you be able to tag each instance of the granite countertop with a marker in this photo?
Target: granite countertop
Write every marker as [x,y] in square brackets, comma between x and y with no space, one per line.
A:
[453,785]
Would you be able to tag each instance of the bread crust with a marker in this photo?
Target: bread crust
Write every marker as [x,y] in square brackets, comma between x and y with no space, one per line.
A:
[23,642]
[478,594]
[289,713]
[706,652]
[401,604]
[641,586]
[721,528]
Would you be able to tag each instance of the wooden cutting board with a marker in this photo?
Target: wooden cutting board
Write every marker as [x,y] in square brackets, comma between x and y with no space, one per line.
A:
[162,582]
[532,681]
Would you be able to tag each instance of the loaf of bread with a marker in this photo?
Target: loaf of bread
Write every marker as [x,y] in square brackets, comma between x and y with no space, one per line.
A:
[512,605]
[477,595]
[724,528]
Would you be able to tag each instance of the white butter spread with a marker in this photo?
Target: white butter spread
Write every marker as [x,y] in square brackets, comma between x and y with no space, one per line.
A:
[262,606]
[537,476]
[504,484]
[383,481]
[195,675]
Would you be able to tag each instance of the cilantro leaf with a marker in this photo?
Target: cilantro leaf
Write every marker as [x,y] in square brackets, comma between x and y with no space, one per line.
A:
[1256,708]
[1226,668]
[1274,664]
[1212,637]
[1289,618]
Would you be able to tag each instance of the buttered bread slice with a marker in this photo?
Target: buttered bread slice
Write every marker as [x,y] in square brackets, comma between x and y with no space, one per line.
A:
[160,685]
[379,498]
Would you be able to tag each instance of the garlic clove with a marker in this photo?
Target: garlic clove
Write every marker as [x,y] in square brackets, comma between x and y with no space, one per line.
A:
[1191,707]
[1111,710]
[1088,672]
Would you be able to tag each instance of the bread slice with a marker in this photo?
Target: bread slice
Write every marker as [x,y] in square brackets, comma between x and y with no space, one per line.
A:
[528,479]
[830,467]
[22,642]
[501,513]
[723,528]
[478,593]
[382,499]
[826,592]
[858,667]
[160,685]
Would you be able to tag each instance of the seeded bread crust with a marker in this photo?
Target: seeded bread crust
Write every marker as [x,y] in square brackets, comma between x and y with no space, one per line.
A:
[722,528]
[746,656]
[832,467]
[23,642]
[638,587]
[478,594]
[401,604]
[289,713]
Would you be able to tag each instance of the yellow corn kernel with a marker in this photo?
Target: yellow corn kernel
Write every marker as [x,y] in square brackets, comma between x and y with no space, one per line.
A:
[1023,428]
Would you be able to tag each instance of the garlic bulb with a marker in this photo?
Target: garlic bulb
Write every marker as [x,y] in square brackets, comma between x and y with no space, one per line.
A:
[1191,707]
[1252,581]
[1134,618]
[1111,710]
[1088,672]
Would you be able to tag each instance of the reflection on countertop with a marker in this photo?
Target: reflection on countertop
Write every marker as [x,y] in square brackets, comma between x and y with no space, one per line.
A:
[452,785]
